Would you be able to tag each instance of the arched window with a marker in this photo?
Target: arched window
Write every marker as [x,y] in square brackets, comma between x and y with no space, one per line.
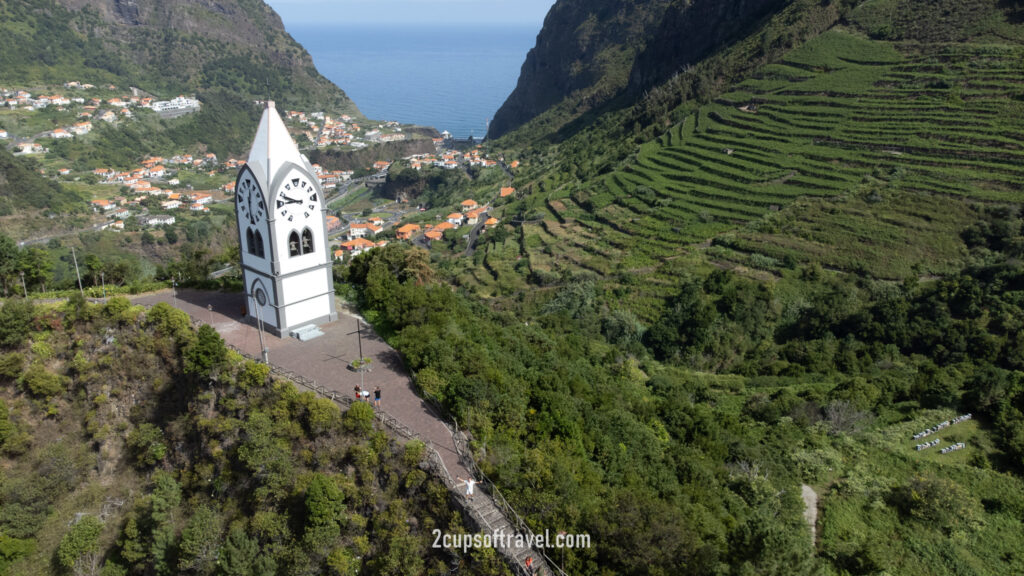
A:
[307,241]
[293,244]
[250,241]
[259,244]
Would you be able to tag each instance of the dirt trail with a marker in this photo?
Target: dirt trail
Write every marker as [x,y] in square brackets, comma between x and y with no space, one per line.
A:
[810,510]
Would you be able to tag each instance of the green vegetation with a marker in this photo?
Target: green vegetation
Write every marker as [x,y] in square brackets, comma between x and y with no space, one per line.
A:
[262,479]
[22,188]
[739,393]
[166,48]
[769,271]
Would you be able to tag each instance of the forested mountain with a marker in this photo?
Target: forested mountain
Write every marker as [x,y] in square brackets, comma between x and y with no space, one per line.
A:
[164,47]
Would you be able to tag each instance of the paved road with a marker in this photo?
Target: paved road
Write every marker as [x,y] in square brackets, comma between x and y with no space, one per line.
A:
[325,360]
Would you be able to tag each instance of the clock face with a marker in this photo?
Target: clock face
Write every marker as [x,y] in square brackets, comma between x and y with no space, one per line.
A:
[297,200]
[249,201]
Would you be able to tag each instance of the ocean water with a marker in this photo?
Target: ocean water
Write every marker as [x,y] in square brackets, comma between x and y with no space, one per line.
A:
[452,78]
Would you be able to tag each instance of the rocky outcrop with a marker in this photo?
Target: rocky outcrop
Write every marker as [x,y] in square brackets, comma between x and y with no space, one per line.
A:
[691,30]
[585,49]
[590,53]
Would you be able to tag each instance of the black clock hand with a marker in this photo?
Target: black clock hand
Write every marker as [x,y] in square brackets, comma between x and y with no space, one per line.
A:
[287,200]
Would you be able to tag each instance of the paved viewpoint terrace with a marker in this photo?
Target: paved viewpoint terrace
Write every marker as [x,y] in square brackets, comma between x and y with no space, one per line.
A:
[325,360]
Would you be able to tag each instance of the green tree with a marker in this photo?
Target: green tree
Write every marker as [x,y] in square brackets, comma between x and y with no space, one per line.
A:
[163,502]
[133,548]
[239,552]
[266,456]
[205,352]
[321,415]
[146,443]
[79,550]
[36,264]
[15,320]
[9,259]
[200,540]
[359,418]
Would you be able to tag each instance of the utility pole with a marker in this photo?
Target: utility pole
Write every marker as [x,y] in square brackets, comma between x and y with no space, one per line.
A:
[75,258]
[209,307]
[104,282]
[259,328]
[174,292]
[359,335]
[23,287]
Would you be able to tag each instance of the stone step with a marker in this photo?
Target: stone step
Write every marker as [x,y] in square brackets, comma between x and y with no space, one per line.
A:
[306,333]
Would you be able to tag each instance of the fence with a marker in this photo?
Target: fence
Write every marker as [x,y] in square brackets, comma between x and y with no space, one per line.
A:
[434,460]
[499,499]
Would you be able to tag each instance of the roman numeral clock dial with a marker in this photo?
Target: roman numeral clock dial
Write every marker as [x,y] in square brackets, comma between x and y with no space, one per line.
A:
[297,200]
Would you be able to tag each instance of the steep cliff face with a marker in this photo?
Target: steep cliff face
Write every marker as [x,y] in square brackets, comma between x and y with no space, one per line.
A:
[585,50]
[162,46]
[589,53]
[693,29]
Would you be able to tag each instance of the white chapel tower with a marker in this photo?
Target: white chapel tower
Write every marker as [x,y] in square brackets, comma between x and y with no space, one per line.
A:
[282,229]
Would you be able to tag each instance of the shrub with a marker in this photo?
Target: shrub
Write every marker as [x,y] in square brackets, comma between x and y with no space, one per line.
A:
[359,418]
[15,321]
[41,382]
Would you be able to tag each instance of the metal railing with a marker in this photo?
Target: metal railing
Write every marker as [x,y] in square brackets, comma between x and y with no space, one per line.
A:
[434,460]
[499,499]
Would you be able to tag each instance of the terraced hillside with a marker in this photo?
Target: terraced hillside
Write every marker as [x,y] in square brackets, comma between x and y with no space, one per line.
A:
[862,155]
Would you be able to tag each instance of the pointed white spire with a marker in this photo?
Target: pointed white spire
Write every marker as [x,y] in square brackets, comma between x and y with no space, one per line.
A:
[273,146]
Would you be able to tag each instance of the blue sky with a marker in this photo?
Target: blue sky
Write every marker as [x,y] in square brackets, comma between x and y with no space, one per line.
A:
[495,12]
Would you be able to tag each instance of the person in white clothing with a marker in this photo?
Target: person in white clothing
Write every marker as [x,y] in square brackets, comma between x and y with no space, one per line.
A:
[470,483]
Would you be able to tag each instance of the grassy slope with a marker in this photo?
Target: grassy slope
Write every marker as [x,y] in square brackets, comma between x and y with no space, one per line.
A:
[863,154]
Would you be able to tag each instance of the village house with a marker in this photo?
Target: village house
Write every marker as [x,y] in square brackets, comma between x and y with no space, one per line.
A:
[3,133]
[455,219]
[102,204]
[376,221]
[357,246]
[170,204]
[473,216]
[61,133]
[31,148]
[434,235]
[158,220]
[507,191]
[333,223]
[361,229]
[440,228]
[406,231]
[64,171]
[491,223]
[201,198]
[468,205]
[196,207]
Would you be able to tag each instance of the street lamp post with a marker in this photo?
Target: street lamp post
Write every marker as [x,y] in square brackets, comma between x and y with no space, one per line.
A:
[103,281]
[174,292]
[259,328]
[209,308]
[23,287]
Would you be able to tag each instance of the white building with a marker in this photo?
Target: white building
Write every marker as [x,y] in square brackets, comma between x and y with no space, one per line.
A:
[282,226]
